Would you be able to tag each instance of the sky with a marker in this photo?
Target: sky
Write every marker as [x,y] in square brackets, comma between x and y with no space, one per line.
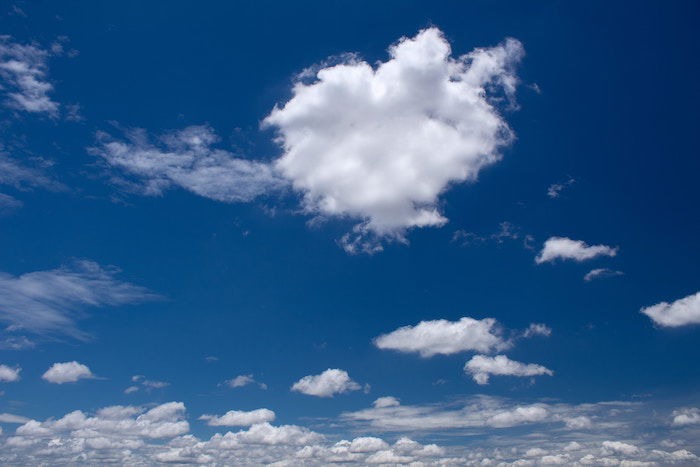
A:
[363,233]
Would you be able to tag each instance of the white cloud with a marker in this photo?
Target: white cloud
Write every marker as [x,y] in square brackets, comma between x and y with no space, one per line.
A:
[386,401]
[481,367]
[68,372]
[244,380]
[615,447]
[601,273]
[554,190]
[11,418]
[9,374]
[25,177]
[50,301]
[328,383]
[577,250]
[381,144]
[240,418]
[686,416]
[131,390]
[679,313]
[444,337]
[537,329]
[23,75]
[186,159]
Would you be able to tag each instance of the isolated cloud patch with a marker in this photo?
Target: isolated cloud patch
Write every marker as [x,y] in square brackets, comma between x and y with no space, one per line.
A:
[381,144]
[566,248]
[51,301]
[68,372]
[600,273]
[23,77]
[187,159]
[240,418]
[481,367]
[444,337]
[679,313]
[327,384]
[9,374]
[686,416]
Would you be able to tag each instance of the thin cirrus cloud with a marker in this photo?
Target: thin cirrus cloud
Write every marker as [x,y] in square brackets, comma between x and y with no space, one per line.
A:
[50,302]
[9,374]
[681,312]
[564,248]
[240,418]
[381,144]
[67,372]
[187,159]
[482,367]
[327,384]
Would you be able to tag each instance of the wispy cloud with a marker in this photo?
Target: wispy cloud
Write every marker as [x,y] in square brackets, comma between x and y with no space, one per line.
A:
[50,302]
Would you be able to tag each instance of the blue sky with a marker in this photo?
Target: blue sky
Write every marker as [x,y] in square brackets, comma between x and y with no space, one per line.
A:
[397,233]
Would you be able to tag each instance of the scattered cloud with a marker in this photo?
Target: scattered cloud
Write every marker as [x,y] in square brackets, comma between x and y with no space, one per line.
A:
[565,248]
[481,367]
[24,78]
[146,383]
[601,273]
[381,144]
[537,329]
[682,312]
[327,384]
[24,177]
[68,372]
[506,231]
[686,416]
[240,418]
[16,343]
[244,380]
[554,190]
[429,338]
[11,418]
[50,302]
[187,159]
[9,374]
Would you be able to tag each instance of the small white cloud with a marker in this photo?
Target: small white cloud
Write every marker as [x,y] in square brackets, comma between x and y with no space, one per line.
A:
[240,418]
[23,77]
[481,367]
[682,312]
[381,144]
[537,329]
[444,337]
[578,423]
[686,416]
[386,401]
[131,389]
[244,380]
[328,383]
[554,190]
[565,248]
[9,374]
[618,447]
[601,273]
[68,372]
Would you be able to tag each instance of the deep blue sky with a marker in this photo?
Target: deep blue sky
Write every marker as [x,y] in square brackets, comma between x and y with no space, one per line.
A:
[608,97]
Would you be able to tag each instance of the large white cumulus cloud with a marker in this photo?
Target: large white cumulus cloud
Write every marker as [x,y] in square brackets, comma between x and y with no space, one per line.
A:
[380,144]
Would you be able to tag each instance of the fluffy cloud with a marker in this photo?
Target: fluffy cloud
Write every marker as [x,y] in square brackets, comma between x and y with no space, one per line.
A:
[679,313]
[565,248]
[23,73]
[381,144]
[68,372]
[185,159]
[537,329]
[9,374]
[482,367]
[444,337]
[240,418]
[244,380]
[328,383]
[50,301]
[601,273]
[687,416]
